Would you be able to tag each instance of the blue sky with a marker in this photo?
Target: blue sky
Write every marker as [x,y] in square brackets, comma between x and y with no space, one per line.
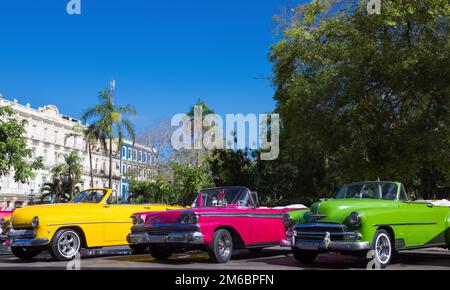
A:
[164,55]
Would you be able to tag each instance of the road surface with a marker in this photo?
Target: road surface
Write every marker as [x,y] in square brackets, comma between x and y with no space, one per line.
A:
[269,259]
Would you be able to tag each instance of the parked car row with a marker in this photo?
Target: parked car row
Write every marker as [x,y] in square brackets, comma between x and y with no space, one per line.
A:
[365,217]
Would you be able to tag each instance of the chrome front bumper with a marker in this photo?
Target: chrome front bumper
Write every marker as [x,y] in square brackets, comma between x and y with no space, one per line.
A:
[331,246]
[25,238]
[192,238]
[326,237]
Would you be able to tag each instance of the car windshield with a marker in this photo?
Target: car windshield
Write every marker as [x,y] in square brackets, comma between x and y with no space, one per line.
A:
[221,197]
[369,190]
[89,196]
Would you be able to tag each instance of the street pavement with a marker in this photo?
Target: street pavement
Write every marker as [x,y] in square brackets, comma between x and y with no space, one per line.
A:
[270,259]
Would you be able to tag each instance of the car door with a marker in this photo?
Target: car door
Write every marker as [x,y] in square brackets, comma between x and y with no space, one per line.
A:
[418,222]
[266,227]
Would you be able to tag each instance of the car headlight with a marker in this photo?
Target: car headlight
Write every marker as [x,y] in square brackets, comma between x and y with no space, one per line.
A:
[35,222]
[189,218]
[137,220]
[353,220]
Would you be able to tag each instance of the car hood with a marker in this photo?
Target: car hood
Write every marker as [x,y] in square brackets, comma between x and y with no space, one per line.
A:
[22,216]
[337,210]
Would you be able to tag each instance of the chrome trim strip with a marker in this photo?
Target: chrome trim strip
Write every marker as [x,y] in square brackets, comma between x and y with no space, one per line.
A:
[90,223]
[405,224]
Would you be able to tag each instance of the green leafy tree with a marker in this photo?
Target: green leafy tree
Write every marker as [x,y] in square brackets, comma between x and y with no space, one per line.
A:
[233,167]
[65,178]
[365,96]
[110,124]
[188,180]
[14,153]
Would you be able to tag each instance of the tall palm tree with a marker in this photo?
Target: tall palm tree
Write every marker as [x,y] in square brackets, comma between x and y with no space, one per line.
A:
[206,110]
[70,170]
[65,177]
[91,136]
[111,123]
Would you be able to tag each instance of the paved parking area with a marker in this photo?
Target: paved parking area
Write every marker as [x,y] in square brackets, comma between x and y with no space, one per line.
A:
[269,259]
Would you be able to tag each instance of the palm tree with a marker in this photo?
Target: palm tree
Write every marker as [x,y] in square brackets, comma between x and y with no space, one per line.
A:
[206,110]
[70,171]
[91,136]
[110,123]
[65,177]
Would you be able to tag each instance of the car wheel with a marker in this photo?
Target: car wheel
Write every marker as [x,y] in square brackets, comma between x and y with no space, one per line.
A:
[65,244]
[256,250]
[139,248]
[221,247]
[160,252]
[382,247]
[304,256]
[24,253]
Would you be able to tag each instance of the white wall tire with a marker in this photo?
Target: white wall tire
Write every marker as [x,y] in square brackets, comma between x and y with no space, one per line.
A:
[382,247]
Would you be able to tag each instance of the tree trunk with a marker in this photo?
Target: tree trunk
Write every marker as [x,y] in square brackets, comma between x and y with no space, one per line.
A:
[90,164]
[110,162]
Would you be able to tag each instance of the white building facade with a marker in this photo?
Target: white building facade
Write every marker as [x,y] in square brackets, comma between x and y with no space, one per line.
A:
[47,132]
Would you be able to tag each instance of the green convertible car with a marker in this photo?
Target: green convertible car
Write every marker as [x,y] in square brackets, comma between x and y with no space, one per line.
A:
[367,216]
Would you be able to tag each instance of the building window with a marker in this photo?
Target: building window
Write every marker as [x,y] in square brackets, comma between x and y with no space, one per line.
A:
[129,153]
[134,154]
[139,156]
[124,151]
[117,166]
[124,169]
[144,157]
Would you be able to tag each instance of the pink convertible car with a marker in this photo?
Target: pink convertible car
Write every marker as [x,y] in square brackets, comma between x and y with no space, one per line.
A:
[219,221]
[4,217]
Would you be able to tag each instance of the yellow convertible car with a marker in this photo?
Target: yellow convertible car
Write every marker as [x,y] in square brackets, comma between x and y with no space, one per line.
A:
[90,220]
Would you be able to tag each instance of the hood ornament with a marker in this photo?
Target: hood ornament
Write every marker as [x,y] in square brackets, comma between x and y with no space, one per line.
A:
[327,240]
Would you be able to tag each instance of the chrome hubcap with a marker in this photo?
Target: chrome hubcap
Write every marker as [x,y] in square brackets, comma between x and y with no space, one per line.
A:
[383,248]
[69,244]
[224,246]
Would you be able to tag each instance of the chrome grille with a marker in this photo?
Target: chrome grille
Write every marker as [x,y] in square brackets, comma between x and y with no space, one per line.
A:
[318,231]
[163,230]
[320,227]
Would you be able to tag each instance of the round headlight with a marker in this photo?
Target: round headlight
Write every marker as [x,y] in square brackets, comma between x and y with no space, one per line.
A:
[193,218]
[137,220]
[353,220]
[35,222]
[185,218]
